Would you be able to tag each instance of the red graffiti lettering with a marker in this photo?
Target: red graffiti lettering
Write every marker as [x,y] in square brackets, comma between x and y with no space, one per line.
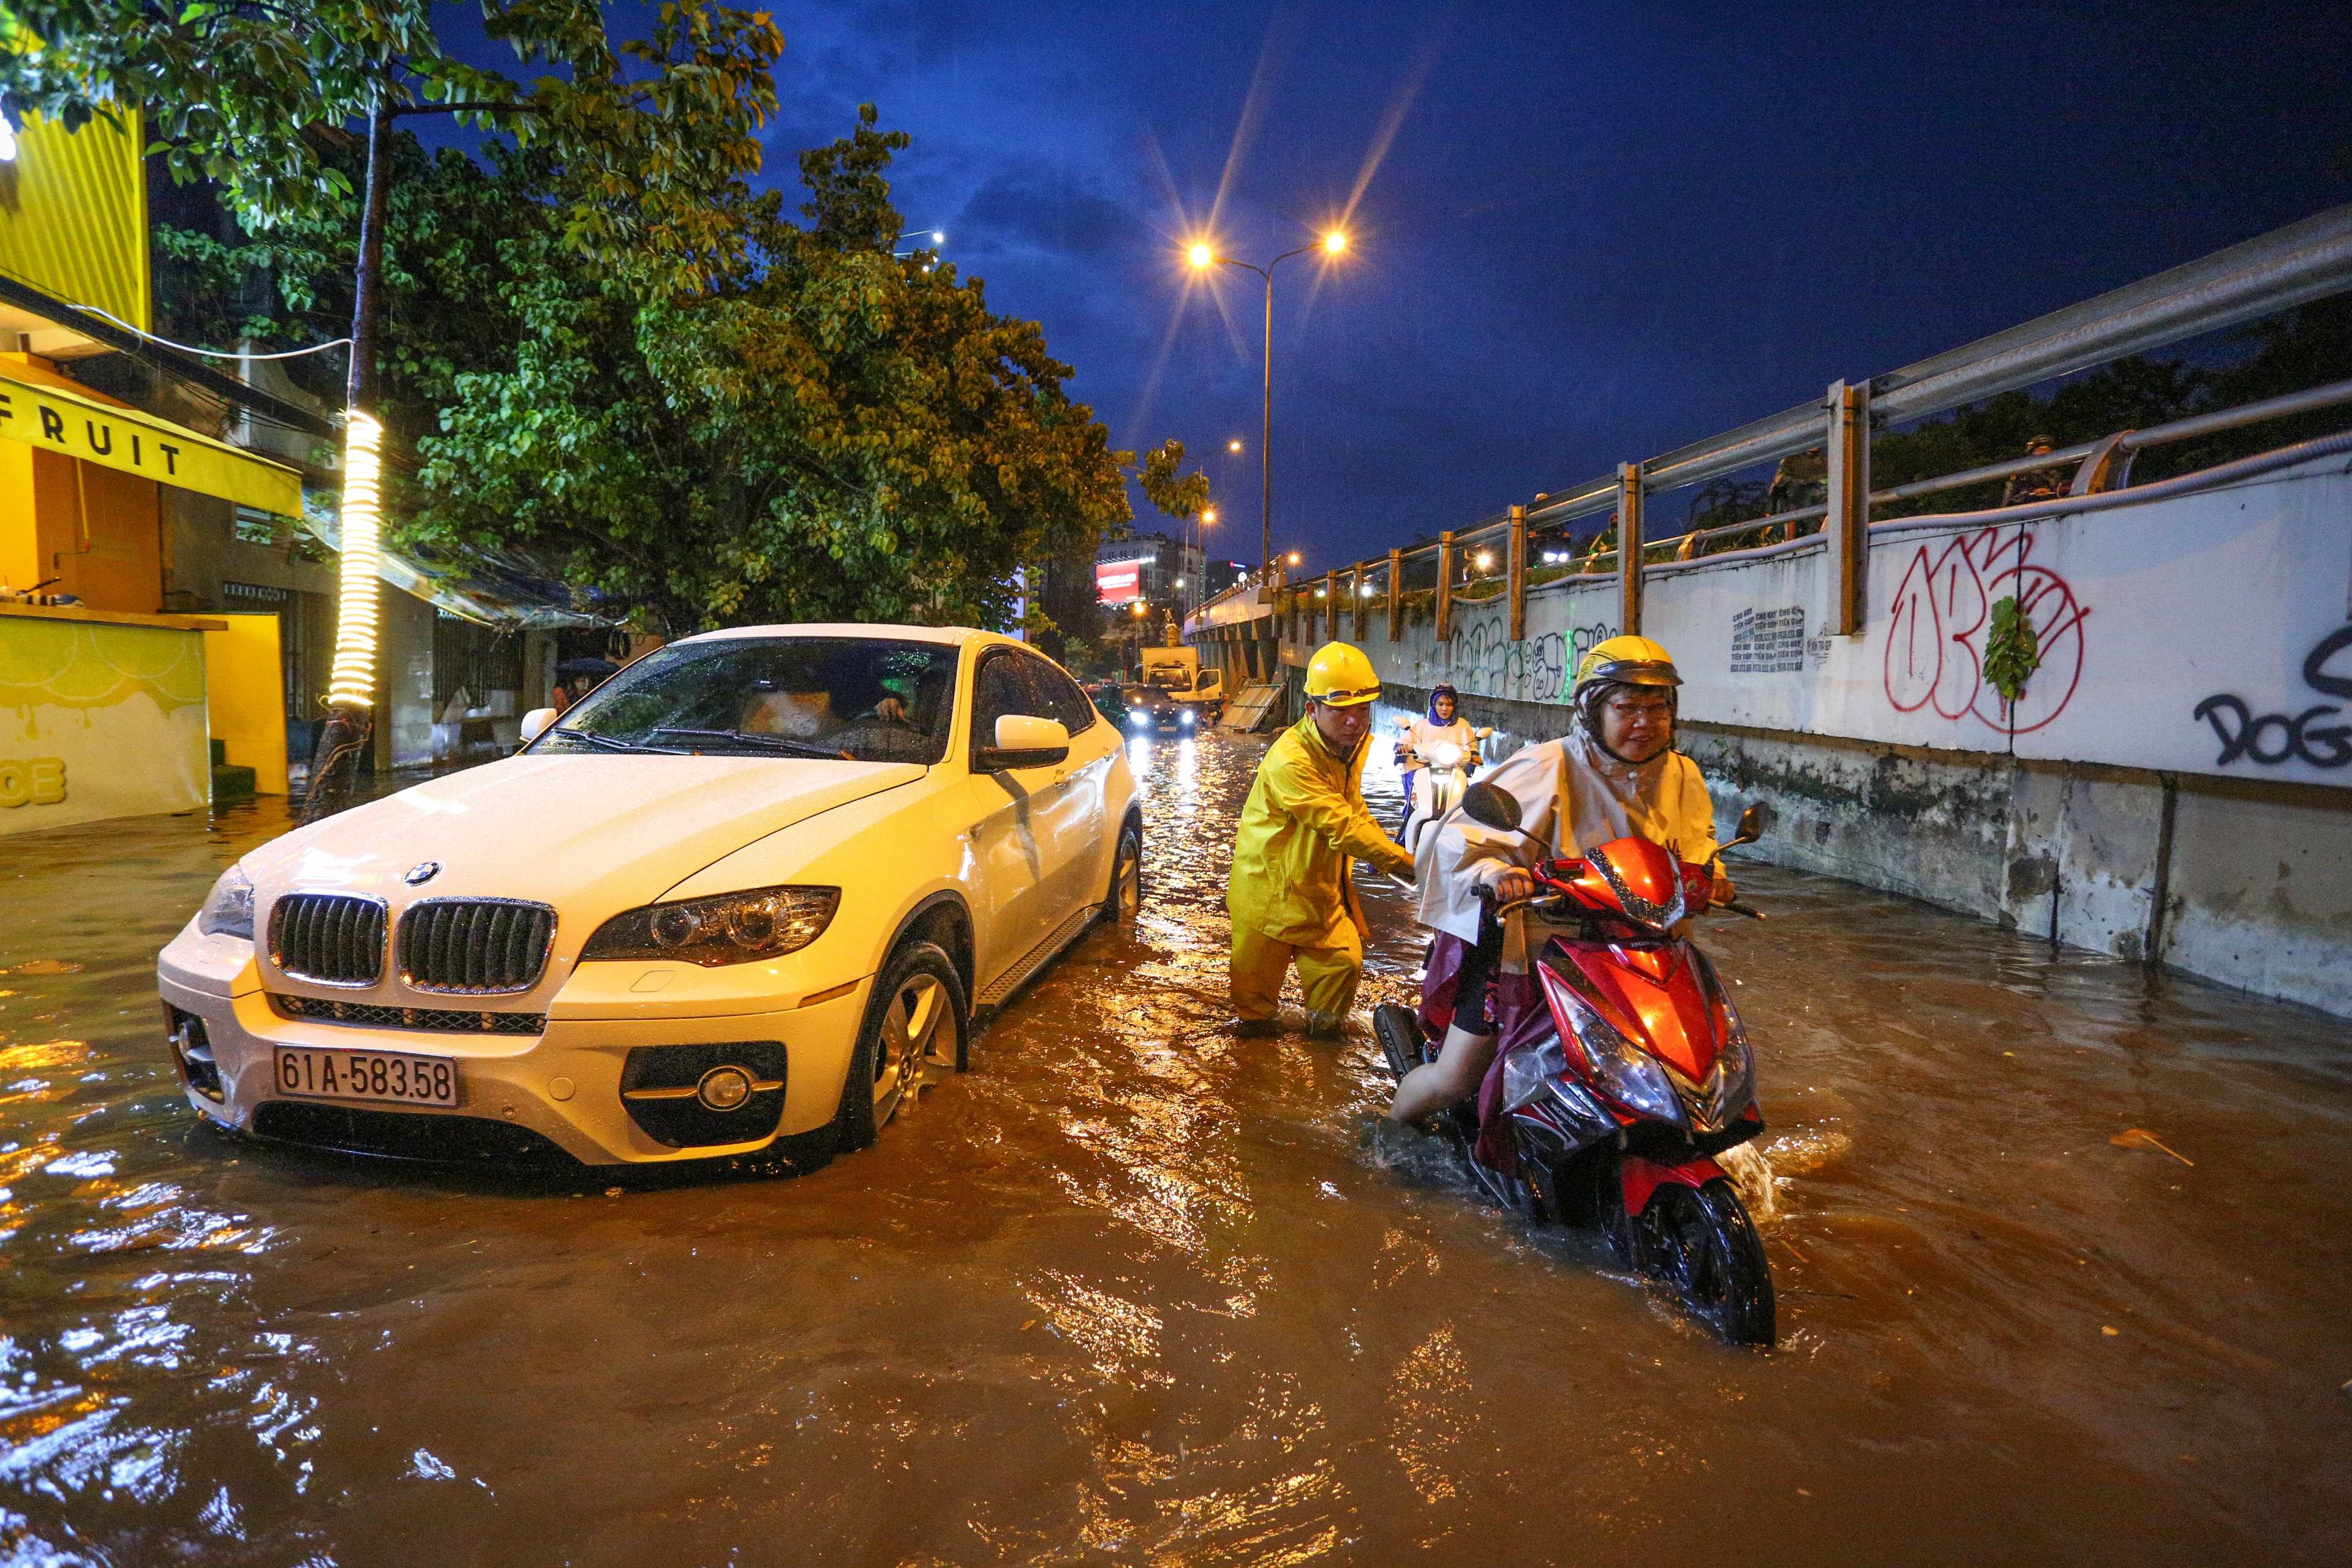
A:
[1935,628]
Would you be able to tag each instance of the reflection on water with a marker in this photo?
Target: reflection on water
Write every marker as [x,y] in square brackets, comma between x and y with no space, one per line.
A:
[1132,1291]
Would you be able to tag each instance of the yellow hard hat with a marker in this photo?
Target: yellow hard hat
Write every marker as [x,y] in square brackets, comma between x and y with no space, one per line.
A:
[1637,662]
[1341,676]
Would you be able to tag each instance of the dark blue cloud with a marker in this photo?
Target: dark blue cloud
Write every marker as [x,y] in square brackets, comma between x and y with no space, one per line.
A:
[1602,229]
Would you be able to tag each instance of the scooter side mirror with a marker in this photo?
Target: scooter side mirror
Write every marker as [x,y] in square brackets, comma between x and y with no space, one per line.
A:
[1753,823]
[1491,807]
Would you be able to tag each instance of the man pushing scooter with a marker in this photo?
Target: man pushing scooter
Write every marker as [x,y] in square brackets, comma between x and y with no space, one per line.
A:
[1292,899]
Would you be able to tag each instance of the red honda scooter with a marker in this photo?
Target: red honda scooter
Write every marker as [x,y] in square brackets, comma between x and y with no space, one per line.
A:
[1621,1073]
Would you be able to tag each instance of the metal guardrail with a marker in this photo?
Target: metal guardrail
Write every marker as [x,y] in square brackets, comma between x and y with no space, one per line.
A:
[2264,276]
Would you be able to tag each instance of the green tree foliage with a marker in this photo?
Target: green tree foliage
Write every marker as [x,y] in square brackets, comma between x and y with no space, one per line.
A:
[2012,650]
[828,432]
[1167,487]
[647,130]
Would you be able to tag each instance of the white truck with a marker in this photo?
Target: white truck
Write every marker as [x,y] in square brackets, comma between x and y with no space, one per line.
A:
[1178,672]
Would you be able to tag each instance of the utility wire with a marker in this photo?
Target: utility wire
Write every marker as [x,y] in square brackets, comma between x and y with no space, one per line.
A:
[212,353]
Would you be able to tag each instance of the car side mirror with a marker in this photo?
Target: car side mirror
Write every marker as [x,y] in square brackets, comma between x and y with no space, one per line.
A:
[1022,742]
[1488,806]
[535,723]
[1753,823]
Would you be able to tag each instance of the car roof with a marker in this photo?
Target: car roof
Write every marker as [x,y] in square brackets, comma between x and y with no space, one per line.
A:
[959,636]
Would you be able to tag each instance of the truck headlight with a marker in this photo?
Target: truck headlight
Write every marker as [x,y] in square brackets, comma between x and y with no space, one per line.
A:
[726,928]
[229,907]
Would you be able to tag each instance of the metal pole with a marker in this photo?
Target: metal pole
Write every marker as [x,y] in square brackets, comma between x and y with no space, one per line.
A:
[1396,588]
[1518,574]
[1849,501]
[1445,589]
[1629,548]
[335,757]
[1265,430]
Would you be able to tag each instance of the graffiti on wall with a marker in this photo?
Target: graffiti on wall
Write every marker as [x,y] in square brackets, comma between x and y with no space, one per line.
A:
[1938,618]
[2276,737]
[1535,670]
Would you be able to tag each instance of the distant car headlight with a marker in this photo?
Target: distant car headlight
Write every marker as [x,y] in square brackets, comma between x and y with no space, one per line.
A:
[726,927]
[1186,717]
[1139,718]
[229,907]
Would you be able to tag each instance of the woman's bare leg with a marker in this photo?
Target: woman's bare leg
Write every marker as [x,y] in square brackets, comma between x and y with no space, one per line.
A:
[1462,1062]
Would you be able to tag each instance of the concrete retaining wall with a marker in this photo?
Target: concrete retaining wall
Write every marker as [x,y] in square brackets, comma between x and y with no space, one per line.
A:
[2244,882]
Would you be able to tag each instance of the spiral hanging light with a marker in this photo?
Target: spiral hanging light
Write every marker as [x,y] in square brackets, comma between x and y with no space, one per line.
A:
[352,684]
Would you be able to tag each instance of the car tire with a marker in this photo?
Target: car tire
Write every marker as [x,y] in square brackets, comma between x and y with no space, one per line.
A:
[1125,898]
[916,1019]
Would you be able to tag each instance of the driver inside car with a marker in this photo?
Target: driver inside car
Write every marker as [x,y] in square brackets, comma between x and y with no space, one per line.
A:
[817,699]
[1614,775]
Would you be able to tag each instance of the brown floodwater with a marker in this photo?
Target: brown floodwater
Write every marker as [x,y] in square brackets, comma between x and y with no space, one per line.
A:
[1135,1291]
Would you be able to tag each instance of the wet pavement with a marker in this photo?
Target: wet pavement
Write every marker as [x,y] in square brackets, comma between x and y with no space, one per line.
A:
[1132,1293]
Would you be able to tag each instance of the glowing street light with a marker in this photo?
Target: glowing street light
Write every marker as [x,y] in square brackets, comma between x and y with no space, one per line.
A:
[1233,446]
[1203,256]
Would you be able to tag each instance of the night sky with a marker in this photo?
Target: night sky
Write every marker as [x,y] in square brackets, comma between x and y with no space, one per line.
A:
[1581,233]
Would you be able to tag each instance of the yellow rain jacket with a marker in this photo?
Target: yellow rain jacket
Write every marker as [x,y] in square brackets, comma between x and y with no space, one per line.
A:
[1303,822]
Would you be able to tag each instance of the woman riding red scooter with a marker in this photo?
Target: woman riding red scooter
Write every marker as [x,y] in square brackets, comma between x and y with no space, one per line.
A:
[1615,775]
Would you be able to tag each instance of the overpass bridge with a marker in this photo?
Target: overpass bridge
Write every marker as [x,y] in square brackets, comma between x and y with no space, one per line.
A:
[2172,784]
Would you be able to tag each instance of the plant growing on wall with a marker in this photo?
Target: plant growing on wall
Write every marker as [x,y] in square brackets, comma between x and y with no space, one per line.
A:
[2012,652]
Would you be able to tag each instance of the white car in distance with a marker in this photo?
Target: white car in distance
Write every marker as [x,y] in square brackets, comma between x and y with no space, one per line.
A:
[741,900]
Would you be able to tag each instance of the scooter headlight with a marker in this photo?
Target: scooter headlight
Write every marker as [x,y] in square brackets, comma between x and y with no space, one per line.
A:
[229,907]
[1445,756]
[1625,1074]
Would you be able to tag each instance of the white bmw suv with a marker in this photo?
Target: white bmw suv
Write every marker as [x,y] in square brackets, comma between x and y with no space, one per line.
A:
[737,901]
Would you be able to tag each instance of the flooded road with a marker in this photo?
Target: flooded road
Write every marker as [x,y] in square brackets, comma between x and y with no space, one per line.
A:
[1132,1291]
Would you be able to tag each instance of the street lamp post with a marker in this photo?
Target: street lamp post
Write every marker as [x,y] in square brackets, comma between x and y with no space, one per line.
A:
[1203,256]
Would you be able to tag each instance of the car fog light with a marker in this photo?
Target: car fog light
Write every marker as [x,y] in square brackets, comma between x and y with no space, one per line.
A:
[724,1089]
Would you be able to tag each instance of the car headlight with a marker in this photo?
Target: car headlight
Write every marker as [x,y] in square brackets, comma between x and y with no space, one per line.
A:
[1139,718]
[1629,1077]
[229,907]
[1187,717]
[726,927]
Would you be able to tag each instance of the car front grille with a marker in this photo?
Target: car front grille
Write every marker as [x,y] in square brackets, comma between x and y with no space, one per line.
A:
[476,946]
[454,1020]
[334,939]
[410,1135]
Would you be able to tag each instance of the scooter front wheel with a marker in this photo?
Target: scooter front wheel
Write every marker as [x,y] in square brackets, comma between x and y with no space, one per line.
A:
[1699,1243]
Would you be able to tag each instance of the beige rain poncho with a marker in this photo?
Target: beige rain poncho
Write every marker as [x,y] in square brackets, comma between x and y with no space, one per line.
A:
[1572,795]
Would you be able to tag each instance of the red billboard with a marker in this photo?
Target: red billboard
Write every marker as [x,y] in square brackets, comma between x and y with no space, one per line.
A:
[1118,582]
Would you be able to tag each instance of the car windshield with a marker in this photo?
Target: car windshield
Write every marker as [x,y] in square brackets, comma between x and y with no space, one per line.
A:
[861,700]
[1145,696]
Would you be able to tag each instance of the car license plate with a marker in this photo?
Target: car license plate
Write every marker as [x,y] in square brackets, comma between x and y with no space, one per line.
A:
[368,1075]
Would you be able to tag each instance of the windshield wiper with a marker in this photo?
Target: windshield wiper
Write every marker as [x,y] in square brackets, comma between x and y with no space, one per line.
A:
[613,742]
[753,737]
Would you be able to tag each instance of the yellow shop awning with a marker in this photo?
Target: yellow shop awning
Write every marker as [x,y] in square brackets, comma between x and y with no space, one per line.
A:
[141,444]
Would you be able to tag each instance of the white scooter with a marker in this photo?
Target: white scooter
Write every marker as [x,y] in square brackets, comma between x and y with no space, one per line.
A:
[1443,774]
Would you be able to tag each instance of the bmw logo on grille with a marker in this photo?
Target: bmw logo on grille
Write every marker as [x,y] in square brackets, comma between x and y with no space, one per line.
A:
[422,872]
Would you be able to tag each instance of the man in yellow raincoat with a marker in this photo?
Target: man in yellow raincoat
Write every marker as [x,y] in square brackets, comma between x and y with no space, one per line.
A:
[1291,897]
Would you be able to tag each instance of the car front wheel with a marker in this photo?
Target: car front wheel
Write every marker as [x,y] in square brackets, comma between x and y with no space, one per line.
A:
[915,1027]
[1126,875]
